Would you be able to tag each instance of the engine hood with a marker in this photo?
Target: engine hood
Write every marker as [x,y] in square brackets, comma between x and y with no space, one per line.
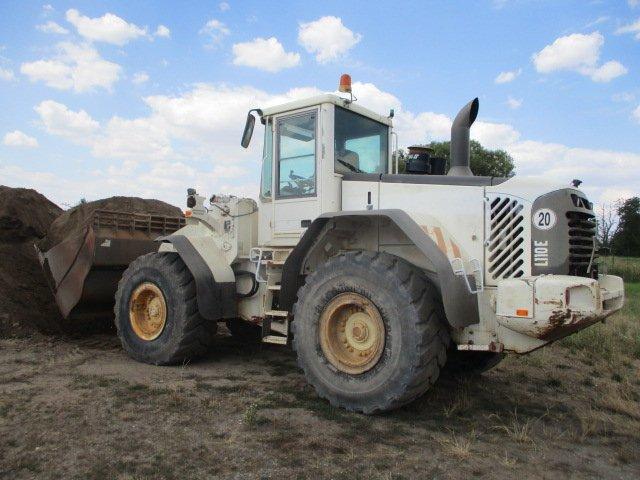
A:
[530,188]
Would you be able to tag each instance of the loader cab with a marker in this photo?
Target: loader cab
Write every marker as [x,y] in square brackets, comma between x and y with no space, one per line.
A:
[309,146]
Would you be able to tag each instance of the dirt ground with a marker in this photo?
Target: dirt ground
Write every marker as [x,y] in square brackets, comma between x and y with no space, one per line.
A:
[79,408]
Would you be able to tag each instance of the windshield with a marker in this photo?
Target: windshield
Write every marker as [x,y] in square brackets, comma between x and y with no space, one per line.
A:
[361,144]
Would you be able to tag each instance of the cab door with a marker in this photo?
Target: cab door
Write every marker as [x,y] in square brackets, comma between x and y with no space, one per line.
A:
[296,179]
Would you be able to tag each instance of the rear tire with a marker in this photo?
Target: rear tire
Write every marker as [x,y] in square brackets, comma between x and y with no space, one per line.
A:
[415,335]
[154,284]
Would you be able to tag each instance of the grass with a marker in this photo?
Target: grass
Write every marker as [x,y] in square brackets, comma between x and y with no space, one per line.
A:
[251,418]
[619,337]
[518,429]
[626,267]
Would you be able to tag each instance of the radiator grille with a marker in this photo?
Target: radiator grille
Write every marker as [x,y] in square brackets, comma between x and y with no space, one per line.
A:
[505,250]
[582,230]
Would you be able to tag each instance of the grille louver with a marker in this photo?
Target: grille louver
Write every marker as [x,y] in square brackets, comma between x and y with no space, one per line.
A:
[582,230]
[505,250]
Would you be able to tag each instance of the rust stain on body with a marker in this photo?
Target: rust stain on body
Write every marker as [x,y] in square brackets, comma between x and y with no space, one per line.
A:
[440,239]
[563,323]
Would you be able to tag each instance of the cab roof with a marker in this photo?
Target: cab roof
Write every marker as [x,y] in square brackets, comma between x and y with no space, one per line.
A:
[323,99]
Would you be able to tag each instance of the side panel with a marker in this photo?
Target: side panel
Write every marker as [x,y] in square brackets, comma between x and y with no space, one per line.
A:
[358,195]
[461,306]
[459,210]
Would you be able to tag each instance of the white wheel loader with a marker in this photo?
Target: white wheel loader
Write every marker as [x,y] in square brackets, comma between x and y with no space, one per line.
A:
[377,279]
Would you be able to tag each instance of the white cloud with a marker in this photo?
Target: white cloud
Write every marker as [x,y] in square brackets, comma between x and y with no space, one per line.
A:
[57,119]
[608,71]
[578,53]
[215,31]
[633,28]
[140,77]
[109,28]
[224,6]
[229,171]
[163,32]
[514,103]
[597,21]
[494,135]
[6,74]
[52,27]
[633,3]
[48,8]
[612,195]
[19,139]
[571,52]
[626,97]
[508,76]
[77,67]
[264,54]
[327,37]
[636,113]
[136,139]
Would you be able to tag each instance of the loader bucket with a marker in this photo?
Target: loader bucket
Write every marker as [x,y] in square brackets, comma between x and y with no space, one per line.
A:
[83,270]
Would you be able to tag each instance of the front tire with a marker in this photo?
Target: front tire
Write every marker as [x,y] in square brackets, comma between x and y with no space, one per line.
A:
[369,332]
[156,312]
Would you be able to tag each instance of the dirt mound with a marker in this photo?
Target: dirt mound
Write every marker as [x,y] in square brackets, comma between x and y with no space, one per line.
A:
[28,218]
[77,217]
[24,214]
[26,302]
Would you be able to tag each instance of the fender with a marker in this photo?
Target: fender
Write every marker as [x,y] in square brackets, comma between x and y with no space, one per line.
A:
[215,281]
[461,306]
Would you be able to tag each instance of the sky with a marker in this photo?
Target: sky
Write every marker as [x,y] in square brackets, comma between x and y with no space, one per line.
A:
[149,98]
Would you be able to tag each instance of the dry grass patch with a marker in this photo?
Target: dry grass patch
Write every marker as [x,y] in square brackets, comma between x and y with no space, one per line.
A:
[618,339]
[458,445]
[517,428]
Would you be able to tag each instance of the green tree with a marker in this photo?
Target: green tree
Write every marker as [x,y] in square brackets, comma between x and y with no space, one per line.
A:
[484,162]
[626,240]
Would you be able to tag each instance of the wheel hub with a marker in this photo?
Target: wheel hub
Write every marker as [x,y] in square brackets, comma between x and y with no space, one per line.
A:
[352,333]
[147,311]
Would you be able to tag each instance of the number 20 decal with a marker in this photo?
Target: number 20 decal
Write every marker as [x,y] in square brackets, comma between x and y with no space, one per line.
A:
[544,219]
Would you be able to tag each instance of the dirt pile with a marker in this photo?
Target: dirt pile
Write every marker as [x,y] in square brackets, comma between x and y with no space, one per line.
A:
[76,218]
[27,219]
[24,214]
[26,302]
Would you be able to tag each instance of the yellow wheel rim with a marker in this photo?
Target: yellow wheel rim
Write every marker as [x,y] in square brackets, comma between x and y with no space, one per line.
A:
[352,333]
[147,311]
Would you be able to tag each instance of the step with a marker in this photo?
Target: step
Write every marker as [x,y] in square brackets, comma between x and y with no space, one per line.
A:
[276,313]
[277,339]
[280,327]
[272,263]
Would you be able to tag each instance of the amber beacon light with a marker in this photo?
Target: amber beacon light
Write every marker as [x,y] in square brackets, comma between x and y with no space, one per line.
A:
[345,83]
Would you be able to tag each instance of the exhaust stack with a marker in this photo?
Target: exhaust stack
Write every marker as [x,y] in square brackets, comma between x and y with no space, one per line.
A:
[459,147]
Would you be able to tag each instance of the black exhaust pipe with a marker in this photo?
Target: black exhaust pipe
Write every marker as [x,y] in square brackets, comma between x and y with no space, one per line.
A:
[459,157]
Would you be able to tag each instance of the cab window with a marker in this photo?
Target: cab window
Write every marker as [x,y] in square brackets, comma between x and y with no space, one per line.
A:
[296,172]
[361,144]
[267,162]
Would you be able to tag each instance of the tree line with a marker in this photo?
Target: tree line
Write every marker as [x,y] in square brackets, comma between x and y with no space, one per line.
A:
[619,227]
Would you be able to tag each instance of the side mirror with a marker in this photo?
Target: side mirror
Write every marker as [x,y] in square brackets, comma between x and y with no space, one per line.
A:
[248,127]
